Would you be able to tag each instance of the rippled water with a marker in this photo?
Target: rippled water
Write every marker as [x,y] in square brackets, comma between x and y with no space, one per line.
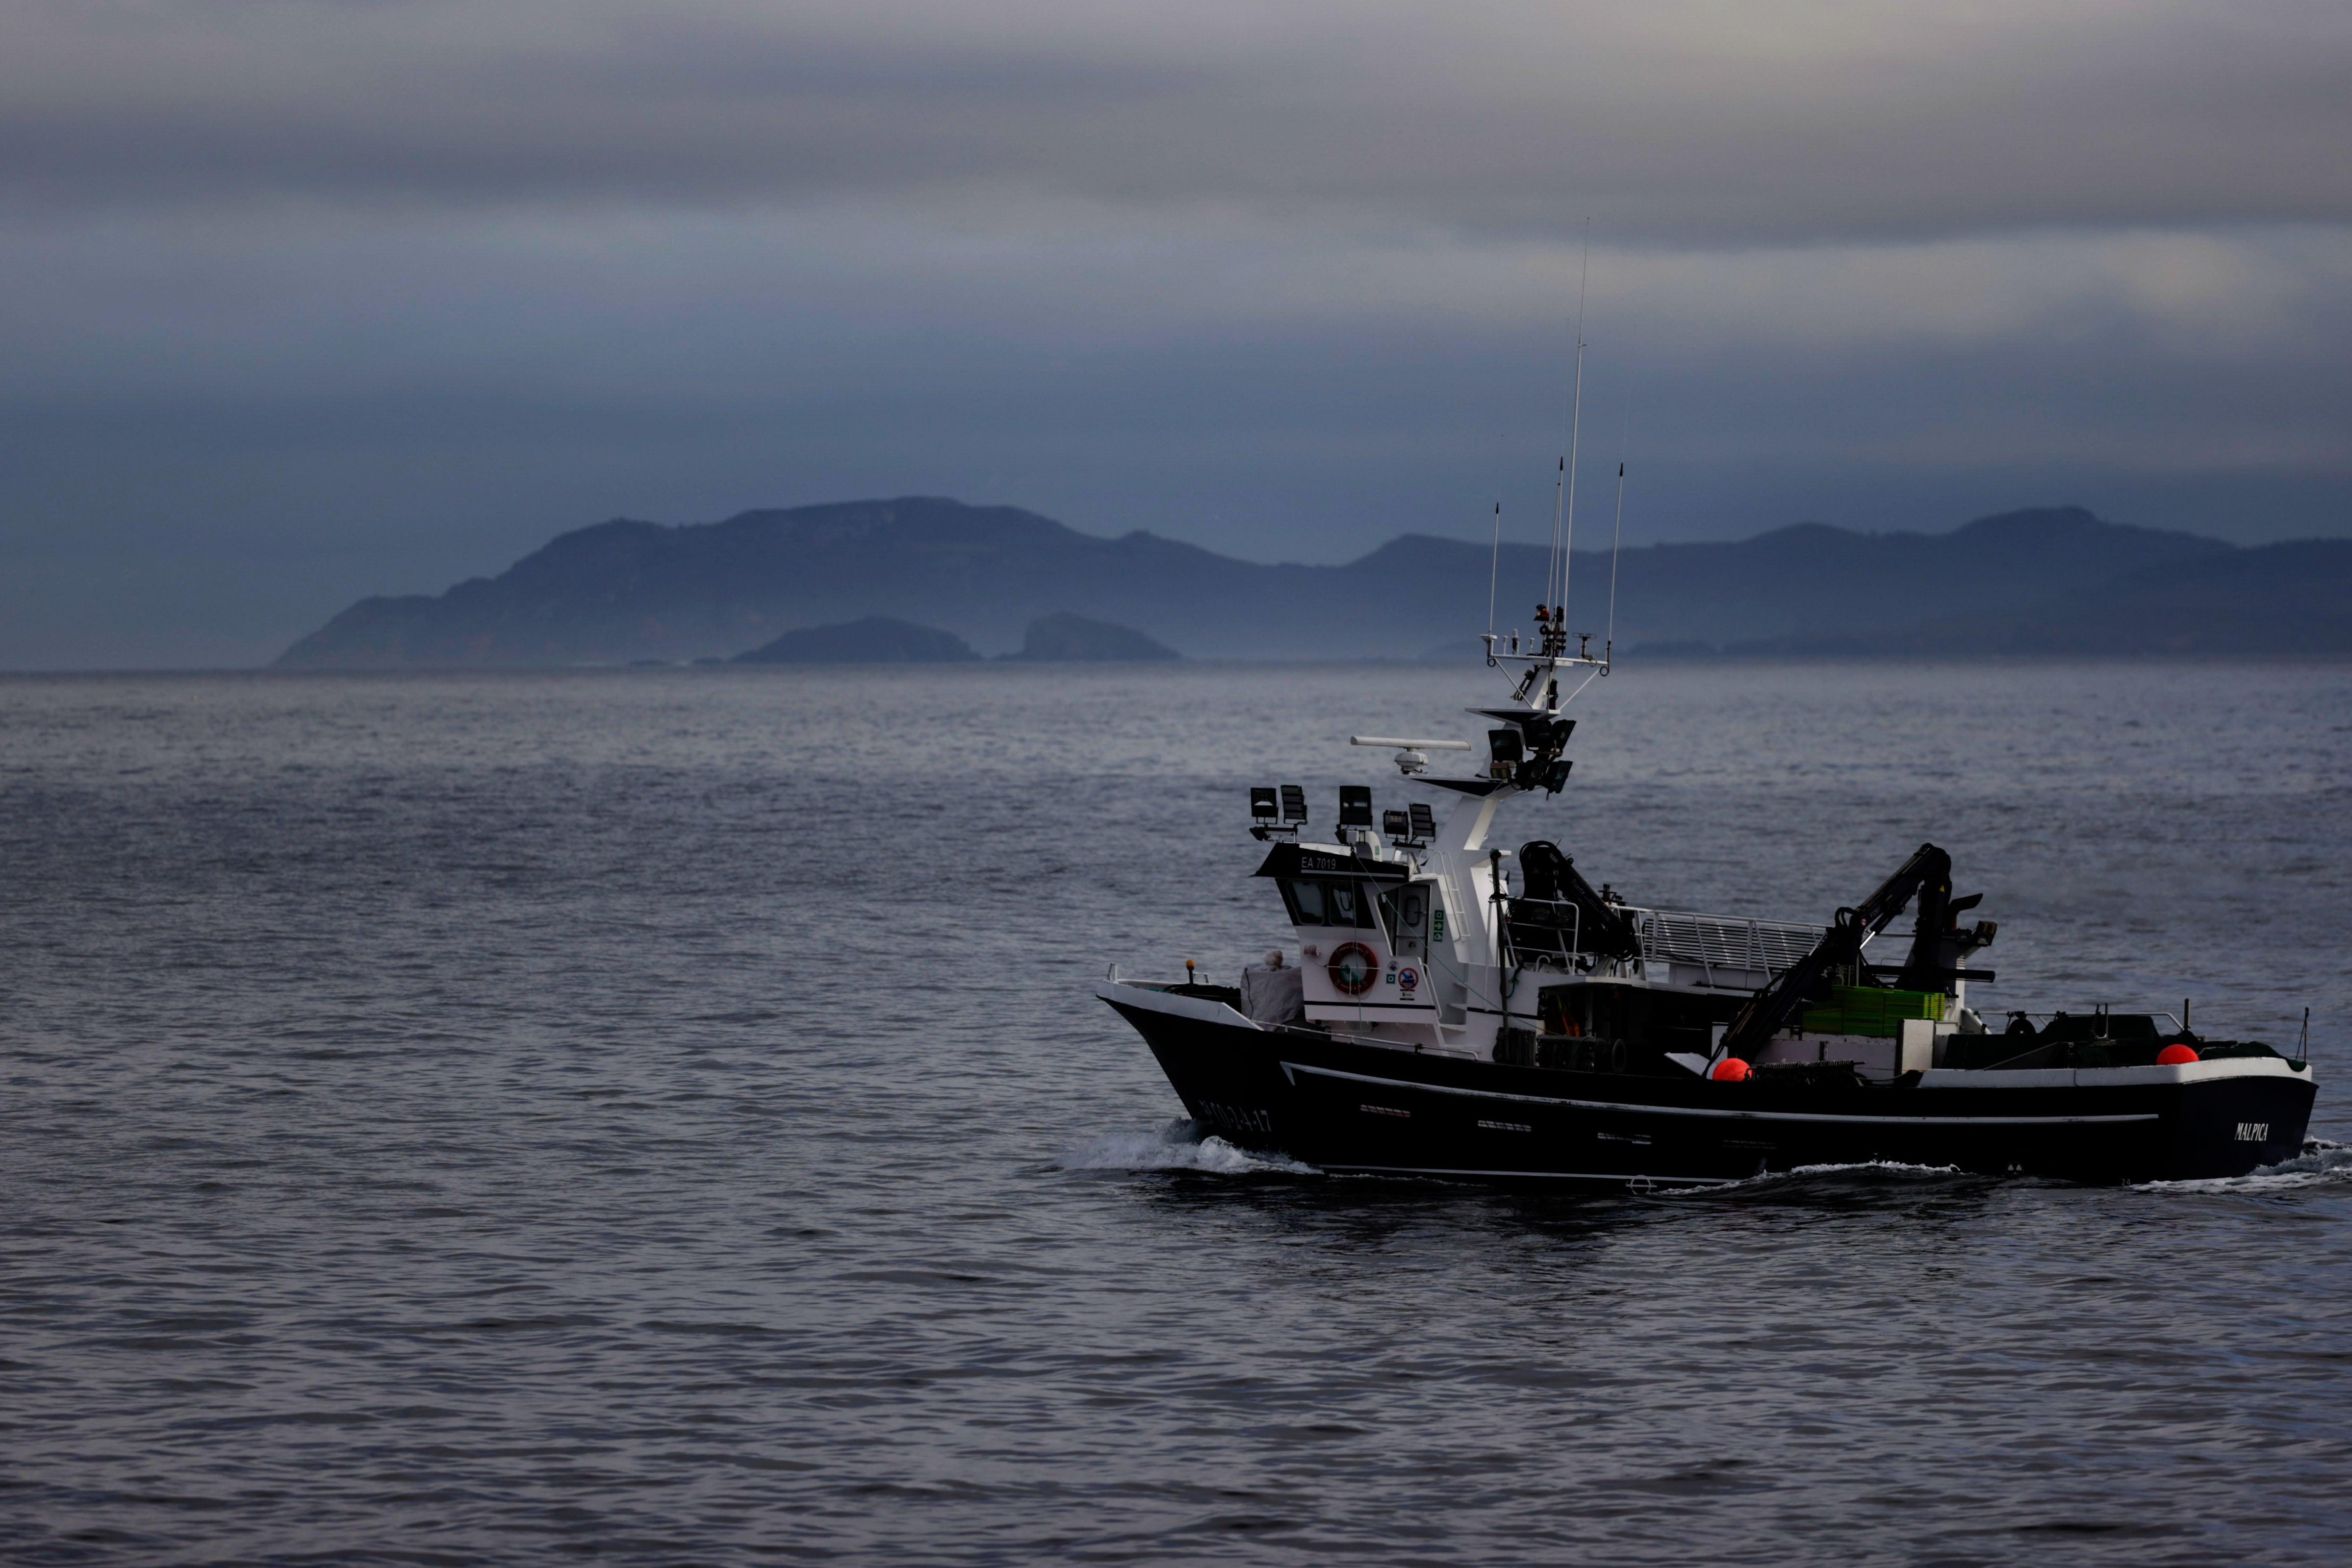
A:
[660,1117]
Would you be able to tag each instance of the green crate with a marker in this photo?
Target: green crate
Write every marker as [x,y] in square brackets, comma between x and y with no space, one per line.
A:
[1824,1021]
[1871,1010]
[1872,1001]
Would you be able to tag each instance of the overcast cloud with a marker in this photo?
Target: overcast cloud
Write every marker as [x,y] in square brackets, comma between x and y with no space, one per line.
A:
[309,300]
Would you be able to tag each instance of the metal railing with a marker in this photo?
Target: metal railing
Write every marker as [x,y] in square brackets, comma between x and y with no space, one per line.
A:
[1542,944]
[1752,950]
[1722,941]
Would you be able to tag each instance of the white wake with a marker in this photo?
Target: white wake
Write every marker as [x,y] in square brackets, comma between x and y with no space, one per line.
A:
[1872,1170]
[2322,1164]
[1177,1146]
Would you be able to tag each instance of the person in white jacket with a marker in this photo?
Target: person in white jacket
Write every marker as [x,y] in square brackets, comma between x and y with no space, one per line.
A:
[1273,992]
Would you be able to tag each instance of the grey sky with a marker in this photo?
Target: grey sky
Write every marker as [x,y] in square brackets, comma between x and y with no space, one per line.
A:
[309,300]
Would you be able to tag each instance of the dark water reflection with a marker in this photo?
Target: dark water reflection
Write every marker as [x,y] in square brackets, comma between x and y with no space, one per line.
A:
[658,1116]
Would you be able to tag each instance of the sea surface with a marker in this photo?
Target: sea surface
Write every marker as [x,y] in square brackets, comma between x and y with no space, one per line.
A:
[661,1117]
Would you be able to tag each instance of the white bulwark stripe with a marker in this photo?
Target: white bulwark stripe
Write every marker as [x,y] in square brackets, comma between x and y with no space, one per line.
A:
[1615,1179]
[1294,1069]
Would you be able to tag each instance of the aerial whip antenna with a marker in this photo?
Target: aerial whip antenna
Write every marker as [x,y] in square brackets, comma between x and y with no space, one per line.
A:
[1493,567]
[1551,567]
[1575,421]
[1616,543]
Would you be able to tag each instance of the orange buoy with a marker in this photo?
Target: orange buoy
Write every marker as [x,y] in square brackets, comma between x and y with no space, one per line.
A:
[2173,1055]
[1730,1069]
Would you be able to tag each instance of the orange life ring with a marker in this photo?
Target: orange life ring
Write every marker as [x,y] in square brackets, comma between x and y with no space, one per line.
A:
[1353,968]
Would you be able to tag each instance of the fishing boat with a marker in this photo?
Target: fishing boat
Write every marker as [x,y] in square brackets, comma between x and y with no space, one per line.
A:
[1463,1011]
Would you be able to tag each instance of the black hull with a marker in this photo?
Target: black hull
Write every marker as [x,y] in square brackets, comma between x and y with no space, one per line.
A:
[1350,1107]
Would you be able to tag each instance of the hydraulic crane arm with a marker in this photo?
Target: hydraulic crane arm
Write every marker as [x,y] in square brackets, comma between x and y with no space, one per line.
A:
[1928,873]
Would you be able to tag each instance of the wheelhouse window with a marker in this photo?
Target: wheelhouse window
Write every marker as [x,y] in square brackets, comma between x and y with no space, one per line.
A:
[1334,903]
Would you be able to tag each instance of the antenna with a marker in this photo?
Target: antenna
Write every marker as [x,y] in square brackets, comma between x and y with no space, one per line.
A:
[1575,421]
[1551,567]
[1616,542]
[1494,565]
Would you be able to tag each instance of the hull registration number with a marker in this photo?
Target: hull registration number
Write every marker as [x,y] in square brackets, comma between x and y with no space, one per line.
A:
[1235,1118]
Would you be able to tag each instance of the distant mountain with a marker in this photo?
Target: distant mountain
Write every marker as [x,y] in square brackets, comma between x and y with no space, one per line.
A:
[877,640]
[624,590]
[1065,637]
[2282,599]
